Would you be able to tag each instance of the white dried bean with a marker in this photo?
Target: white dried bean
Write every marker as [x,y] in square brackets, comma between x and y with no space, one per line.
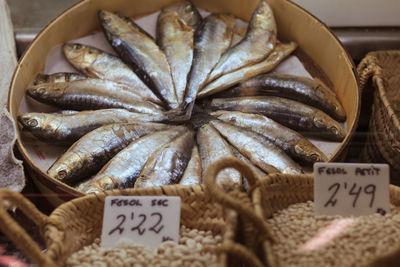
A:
[188,252]
[366,239]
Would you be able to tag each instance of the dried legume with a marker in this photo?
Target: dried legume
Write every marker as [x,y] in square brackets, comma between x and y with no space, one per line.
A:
[188,252]
[361,240]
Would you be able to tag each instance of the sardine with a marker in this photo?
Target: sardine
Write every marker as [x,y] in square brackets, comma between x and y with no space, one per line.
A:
[281,52]
[256,148]
[303,89]
[96,63]
[58,77]
[258,43]
[238,35]
[293,143]
[189,14]
[192,174]
[87,155]
[141,53]
[91,94]
[295,115]
[213,147]
[123,169]
[65,112]
[168,163]
[175,38]
[256,170]
[65,129]
[211,39]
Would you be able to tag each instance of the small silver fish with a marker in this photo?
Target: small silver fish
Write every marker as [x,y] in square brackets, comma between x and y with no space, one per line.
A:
[256,148]
[167,164]
[65,129]
[213,147]
[256,170]
[92,94]
[175,38]
[293,143]
[280,52]
[192,174]
[295,115]
[258,43]
[123,170]
[96,63]
[141,53]
[238,35]
[87,155]
[211,39]
[57,77]
[189,14]
[303,89]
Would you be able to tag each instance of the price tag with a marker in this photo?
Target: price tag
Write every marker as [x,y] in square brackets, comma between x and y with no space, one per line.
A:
[350,189]
[145,220]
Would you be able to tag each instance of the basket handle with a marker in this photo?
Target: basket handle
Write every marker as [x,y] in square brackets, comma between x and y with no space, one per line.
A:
[366,68]
[227,200]
[15,232]
[239,252]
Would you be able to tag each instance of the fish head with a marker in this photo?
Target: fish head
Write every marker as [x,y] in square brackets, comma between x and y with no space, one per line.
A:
[188,12]
[67,168]
[46,91]
[337,107]
[113,24]
[309,153]
[41,78]
[98,185]
[42,125]
[80,55]
[291,170]
[60,172]
[91,189]
[331,128]
[103,183]
[32,121]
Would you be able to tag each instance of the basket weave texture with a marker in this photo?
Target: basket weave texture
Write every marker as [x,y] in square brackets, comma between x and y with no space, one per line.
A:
[383,140]
[77,223]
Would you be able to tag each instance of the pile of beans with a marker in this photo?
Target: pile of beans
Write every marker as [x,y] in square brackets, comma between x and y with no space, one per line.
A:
[358,241]
[189,252]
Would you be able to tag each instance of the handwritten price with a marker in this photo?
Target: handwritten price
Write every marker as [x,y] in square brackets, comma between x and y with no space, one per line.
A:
[139,227]
[147,220]
[355,191]
[350,189]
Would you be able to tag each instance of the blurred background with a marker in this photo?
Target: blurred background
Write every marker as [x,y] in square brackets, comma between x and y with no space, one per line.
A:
[361,25]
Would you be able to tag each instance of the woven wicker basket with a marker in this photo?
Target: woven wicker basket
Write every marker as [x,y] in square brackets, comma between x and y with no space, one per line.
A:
[77,223]
[383,141]
[271,194]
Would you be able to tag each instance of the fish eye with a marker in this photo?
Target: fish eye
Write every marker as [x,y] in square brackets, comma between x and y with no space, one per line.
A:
[41,90]
[334,130]
[62,174]
[32,123]
[77,46]
[315,157]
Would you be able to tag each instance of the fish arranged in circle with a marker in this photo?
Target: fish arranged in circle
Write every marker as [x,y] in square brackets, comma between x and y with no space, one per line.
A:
[165,108]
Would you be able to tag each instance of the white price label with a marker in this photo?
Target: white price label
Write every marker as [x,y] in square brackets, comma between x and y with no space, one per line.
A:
[145,220]
[350,189]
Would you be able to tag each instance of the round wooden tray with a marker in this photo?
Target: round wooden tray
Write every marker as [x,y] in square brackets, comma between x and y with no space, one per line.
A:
[294,24]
